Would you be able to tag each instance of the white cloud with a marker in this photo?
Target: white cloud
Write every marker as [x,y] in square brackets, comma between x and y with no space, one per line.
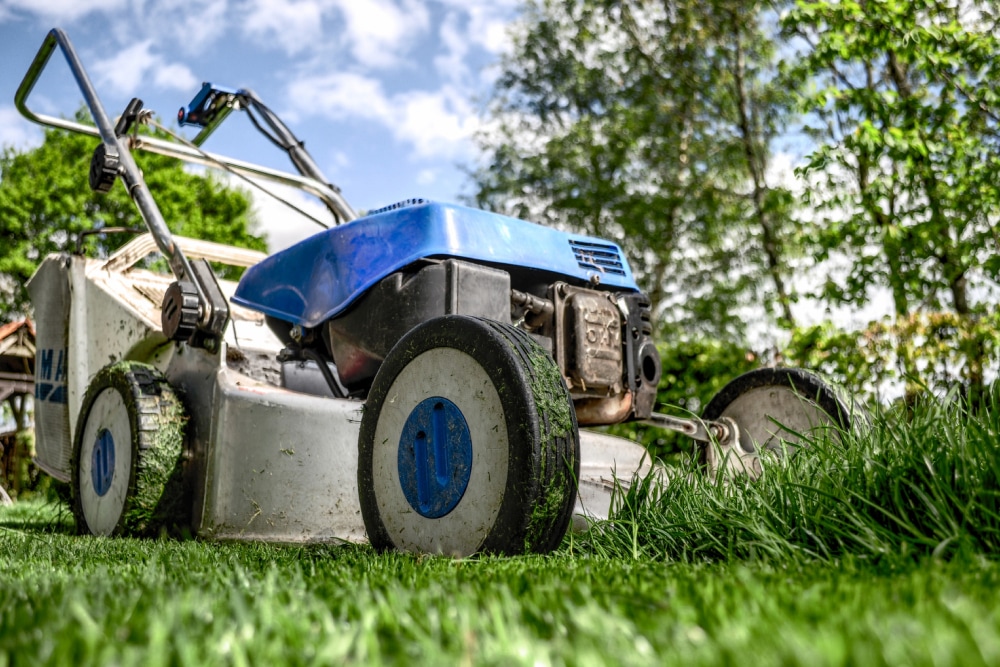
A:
[452,65]
[488,21]
[343,95]
[469,27]
[175,76]
[489,28]
[126,71]
[437,124]
[379,32]
[16,131]
[64,11]
[427,176]
[177,22]
[186,26]
[340,159]
[294,25]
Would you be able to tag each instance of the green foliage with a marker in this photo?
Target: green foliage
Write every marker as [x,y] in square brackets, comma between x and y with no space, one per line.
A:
[650,126]
[935,348]
[46,203]
[863,362]
[907,157]
[655,125]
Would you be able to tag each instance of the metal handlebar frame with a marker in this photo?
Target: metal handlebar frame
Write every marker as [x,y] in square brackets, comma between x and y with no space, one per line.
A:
[307,183]
[114,145]
[213,104]
[213,312]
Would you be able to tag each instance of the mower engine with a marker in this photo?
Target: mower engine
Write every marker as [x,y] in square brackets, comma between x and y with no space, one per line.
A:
[371,281]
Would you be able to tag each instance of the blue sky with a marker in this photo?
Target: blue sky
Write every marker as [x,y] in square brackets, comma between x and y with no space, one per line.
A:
[385,93]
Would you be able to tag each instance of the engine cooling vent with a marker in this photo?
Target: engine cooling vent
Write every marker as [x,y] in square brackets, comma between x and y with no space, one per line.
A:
[645,314]
[403,204]
[600,257]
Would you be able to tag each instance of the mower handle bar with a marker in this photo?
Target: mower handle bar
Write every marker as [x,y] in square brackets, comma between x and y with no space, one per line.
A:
[323,191]
[129,172]
[213,310]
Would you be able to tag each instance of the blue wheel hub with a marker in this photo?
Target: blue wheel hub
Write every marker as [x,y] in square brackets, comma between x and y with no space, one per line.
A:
[435,457]
[102,462]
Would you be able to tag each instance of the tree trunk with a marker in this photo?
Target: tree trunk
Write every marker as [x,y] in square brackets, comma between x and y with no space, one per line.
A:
[757,168]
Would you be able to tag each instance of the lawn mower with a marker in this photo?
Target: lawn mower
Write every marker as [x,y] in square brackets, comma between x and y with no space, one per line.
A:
[428,376]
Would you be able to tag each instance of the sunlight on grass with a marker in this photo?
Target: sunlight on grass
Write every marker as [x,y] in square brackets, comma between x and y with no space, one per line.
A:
[879,551]
[922,486]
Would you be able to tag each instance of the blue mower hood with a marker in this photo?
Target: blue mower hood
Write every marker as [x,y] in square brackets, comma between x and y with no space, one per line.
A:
[321,276]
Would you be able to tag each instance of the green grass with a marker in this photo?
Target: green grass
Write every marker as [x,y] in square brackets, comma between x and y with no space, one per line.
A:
[908,486]
[882,552]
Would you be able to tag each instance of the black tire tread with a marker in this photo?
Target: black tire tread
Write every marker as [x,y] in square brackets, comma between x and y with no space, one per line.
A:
[157,497]
[559,442]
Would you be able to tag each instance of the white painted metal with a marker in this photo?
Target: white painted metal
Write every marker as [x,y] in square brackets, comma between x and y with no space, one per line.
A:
[91,313]
[50,294]
[462,380]
[281,466]
[108,412]
[271,464]
[608,465]
[144,245]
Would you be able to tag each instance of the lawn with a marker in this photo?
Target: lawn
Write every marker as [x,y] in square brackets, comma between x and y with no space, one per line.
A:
[880,552]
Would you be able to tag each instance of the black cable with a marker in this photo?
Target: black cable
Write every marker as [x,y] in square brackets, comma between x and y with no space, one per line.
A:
[335,386]
[243,177]
[260,128]
[252,102]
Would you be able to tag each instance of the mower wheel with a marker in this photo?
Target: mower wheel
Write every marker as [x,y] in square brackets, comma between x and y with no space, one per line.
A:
[128,454]
[469,443]
[774,409]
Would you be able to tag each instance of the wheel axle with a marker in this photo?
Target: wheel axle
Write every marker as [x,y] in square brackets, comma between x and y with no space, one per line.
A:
[697,429]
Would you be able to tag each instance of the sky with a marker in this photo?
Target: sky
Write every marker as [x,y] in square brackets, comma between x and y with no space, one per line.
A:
[386,94]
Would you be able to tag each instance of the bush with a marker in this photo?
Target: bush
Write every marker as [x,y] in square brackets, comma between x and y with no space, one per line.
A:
[923,352]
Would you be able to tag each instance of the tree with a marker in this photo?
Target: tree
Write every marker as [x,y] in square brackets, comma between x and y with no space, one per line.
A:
[651,124]
[907,165]
[46,203]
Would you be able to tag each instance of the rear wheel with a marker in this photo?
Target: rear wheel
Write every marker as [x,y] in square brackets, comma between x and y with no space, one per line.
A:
[773,409]
[128,454]
[468,443]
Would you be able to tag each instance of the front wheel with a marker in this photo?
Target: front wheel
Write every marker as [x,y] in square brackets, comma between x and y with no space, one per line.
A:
[469,443]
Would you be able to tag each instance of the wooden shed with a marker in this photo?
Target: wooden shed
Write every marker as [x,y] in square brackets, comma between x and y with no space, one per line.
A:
[17,382]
